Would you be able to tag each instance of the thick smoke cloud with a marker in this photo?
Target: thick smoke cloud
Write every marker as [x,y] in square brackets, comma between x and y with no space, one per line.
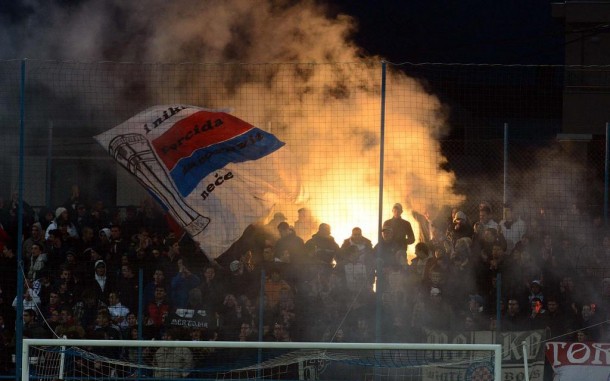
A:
[325,100]
[177,31]
[321,98]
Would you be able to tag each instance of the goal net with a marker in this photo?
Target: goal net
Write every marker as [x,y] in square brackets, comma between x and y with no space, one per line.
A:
[64,359]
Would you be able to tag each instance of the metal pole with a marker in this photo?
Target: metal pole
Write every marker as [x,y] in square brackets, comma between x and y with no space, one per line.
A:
[379,279]
[140,302]
[49,164]
[140,315]
[261,316]
[505,198]
[19,322]
[525,366]
[498,307]
[607,173]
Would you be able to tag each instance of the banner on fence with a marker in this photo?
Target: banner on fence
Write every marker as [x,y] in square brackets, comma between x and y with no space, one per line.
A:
[512,352]
[190,318]
[215,173]
[579,361]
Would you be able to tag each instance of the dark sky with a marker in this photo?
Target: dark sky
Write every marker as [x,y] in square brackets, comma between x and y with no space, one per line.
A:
[469,31]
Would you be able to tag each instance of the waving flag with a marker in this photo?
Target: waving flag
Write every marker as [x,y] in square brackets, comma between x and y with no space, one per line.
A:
[579,361]
[215,173]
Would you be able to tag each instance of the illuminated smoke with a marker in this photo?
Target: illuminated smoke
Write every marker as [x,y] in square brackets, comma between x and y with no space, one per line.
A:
[334,109]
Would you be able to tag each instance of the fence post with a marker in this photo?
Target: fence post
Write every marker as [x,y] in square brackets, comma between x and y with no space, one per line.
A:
[378,288]
[48,195]
[606,173]
[20,274]
[505,197]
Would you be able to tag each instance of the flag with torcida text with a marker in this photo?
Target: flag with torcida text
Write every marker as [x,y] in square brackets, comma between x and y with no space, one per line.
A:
[579,361]
[215,173]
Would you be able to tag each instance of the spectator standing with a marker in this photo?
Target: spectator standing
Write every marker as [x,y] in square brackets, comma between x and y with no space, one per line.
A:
[36,237]
[212,289]
[38,261]
[174,362]
[8,264]
[31,301]
[557,322]
[305,225]
[158,279]
[538,317]
[289,242]
[159,307]
[420,265]
[117,311]
[118,246]
[182,283]
[102,283]
[62,216]
[402,231]
[246,333]
[276,289]
[357,246]
[513,319]
[69,326]
[485,219]
[388,250]
[512,227]
[460,228]
[127,287]
[322,246]
[106,331]
[231,316]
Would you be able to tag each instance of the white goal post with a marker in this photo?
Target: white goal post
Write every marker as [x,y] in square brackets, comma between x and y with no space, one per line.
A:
[53,359]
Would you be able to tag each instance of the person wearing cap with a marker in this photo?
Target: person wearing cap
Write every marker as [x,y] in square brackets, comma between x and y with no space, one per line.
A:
[61,215]
[402,232]
[460,228]
[430,310]
[536,291]
[475,309]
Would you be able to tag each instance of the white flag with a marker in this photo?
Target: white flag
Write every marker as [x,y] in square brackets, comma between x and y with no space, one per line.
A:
[215,173]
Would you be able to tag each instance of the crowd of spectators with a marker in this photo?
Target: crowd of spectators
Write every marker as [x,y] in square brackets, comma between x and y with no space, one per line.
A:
[294,282]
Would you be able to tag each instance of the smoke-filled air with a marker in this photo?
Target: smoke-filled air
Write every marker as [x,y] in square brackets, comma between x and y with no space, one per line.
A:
[328,114]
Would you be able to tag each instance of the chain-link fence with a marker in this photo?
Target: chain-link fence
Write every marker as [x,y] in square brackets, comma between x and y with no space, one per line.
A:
[355,139]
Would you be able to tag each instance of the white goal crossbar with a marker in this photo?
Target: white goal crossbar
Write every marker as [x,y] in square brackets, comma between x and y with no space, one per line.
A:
[496,349]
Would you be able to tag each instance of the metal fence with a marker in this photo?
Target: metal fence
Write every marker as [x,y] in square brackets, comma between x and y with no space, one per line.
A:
[363,136]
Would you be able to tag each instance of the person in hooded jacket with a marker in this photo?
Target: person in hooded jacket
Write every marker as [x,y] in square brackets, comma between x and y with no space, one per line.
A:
[322,246]
[460,228]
